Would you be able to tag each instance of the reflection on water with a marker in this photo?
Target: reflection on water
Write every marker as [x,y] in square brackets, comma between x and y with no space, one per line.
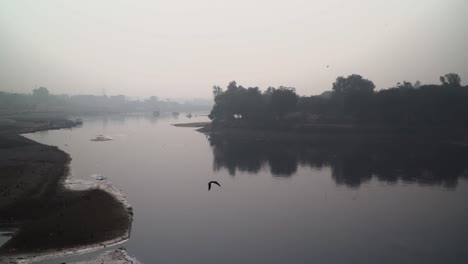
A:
[351,163]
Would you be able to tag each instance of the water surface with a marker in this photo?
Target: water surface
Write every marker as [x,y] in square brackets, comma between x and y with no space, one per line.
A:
[278,202]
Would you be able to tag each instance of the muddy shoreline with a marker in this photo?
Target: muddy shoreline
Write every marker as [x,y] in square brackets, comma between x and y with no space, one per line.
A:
[48,217]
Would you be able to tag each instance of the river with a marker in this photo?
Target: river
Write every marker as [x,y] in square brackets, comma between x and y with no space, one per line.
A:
[278,202]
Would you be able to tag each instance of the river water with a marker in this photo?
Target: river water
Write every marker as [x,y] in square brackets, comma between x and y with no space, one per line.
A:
[278,202]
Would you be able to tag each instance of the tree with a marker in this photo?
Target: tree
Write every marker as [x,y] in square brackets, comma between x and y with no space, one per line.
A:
[217,91]
[451,79]
[236,101]
[232,85]
[252,104]
[417,84]
[405,85]
[283,100]
[218,111]
[352,84]
[352,96]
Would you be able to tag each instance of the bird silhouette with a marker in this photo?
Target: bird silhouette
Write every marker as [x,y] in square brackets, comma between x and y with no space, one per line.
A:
[213,182]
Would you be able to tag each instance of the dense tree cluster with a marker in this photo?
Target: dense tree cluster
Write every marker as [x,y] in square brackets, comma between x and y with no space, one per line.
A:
[352,100]
[250,104]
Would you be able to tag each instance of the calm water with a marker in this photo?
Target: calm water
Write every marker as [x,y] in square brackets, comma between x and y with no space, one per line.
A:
[278,203]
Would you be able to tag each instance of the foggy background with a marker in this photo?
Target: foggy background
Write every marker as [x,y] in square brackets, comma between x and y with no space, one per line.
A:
[182,48]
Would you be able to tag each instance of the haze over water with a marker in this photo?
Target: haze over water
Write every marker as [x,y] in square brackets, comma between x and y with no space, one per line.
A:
[281,204]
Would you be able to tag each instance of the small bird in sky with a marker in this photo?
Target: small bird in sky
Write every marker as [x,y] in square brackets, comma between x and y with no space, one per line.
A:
[213,182]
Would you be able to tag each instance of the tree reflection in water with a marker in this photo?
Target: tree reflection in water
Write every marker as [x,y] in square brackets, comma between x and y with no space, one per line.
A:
[352,162]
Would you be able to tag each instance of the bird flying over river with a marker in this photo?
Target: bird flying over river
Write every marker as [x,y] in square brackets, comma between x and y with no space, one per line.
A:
[213,182]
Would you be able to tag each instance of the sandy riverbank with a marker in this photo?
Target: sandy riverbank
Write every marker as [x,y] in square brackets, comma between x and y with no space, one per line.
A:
[50,218]
[118,256]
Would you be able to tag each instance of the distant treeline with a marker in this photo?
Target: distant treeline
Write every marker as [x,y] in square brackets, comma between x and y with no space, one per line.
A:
[42,101]
[352,100]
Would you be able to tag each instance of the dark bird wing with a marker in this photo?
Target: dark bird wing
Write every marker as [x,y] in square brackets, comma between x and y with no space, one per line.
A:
[213,182]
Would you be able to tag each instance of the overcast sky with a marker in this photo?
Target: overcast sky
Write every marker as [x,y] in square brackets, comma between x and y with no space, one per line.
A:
[181,48]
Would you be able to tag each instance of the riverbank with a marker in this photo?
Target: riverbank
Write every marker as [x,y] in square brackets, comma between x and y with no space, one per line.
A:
[48,217]
[194,124]
[118,256]
[334,132]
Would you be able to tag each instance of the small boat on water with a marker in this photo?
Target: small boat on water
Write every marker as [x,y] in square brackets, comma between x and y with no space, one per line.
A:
[189,115]
[102,138]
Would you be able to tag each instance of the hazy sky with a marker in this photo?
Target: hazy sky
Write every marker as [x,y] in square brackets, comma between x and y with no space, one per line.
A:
[181,48]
